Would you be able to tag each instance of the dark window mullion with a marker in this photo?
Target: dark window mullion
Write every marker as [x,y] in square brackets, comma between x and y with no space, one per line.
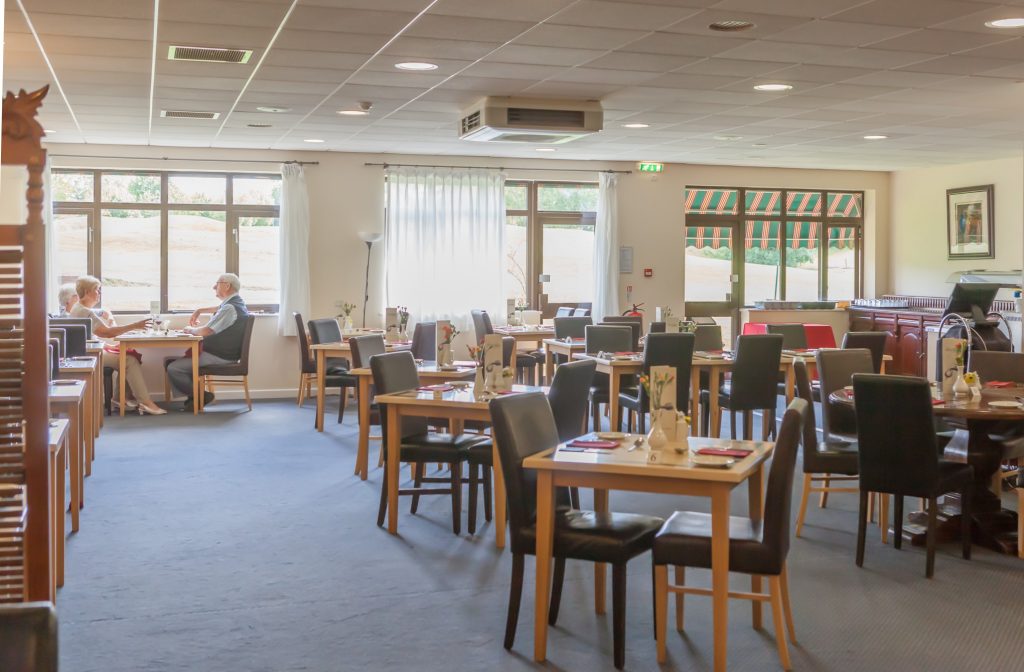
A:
[164,242]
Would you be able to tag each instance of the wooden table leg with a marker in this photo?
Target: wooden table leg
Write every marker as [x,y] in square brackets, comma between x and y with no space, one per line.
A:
[122,364]
[715,417]
[392,465]
[755,497]
[549,364]
[89,415]
[198,393]
[363,451]
[720,572]
[97,397]
[614,381]
[62,454]
[790,382]
[320,374]
[499,497]
[600,568]
[695,401]
[545,545]
[77,479]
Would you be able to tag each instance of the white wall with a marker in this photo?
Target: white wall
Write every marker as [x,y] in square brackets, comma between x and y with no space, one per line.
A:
[347,197]
[917,233]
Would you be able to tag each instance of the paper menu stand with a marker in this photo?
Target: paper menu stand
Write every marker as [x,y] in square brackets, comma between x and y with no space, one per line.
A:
[154,307]
[444,350]
[391,325]
[492,345]
[949,370]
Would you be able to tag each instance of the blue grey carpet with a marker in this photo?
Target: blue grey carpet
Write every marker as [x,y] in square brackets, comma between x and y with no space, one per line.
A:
[243,542]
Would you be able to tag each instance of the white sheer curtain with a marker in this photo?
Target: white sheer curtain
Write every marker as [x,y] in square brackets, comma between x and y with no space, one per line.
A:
[294,232]
[606,249]
[445,242]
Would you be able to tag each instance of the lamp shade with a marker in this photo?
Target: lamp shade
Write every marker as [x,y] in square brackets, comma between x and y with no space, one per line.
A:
[370,236]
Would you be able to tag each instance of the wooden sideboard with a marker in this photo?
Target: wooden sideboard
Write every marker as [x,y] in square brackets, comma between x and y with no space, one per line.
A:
[906,330]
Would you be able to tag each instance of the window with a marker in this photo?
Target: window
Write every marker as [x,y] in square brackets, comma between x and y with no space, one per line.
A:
[798,245]
[550,231]
[165,235]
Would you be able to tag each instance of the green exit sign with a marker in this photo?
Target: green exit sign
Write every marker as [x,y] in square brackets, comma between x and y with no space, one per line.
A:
[651,167]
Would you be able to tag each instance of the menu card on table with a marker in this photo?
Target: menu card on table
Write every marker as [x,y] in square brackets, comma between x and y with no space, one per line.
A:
[391,325]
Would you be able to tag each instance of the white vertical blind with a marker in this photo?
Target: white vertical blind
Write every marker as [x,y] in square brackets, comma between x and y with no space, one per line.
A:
[294,258]
[444,244]
[606,249]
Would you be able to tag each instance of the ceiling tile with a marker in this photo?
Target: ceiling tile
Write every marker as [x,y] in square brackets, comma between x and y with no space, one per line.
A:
[518,53]
[842,33]
[939,41]
[913,13]
[456,27]
[690,45]
[637,16]
[548,35]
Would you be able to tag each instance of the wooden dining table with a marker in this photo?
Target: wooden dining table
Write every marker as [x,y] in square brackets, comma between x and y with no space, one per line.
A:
[136,340]
[621,469]
[428,373]
[975,420]
[337,349]
[85,369]
[67,396]
[556,346]
[58,444]
[457,406]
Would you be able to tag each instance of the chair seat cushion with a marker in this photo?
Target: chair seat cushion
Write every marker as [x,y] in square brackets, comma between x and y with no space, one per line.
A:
[232,369]
[481,453]
[598,537]
[685,540]
[437,447]
[525,360]
[833,458]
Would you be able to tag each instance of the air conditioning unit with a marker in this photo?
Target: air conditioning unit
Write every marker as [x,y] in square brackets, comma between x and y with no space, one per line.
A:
[530,120]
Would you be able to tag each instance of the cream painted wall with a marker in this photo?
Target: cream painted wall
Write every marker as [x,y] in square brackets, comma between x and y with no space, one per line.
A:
[919,264]
[347,197]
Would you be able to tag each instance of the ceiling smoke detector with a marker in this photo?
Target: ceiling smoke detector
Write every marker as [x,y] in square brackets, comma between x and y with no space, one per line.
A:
[731,25]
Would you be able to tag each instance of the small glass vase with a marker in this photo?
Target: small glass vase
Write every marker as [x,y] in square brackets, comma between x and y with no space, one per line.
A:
[656,438]
[960,387]
[479,387]
[346,323]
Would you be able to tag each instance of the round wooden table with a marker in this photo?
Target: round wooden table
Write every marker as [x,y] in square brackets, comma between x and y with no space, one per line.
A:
[976,423]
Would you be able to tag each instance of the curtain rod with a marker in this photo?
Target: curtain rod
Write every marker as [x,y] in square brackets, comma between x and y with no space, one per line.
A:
[564,170]
[173,158]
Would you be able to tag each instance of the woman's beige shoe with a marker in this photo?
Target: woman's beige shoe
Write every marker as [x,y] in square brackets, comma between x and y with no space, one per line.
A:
[155,410]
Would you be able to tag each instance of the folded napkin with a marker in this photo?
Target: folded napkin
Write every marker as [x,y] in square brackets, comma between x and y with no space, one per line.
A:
[503,392]
[582,443]
[936,402]
[1000,383]
[625,352]
[725,452]
[443,387]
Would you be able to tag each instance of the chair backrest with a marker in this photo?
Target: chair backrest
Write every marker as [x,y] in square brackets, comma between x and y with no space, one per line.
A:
[424,341]
[778,496]
[243,359]
[657,328]
[396,372]
[992,365]
[61,337]
[606,338]
[306,362]
[481,324]
[84,321]
[897,450]
[523,425]
[28,637]
[324,330]
[563,311]
[75,337]
[835,370]
[755,373]
[793,335]
[812,464]
[364,347]
[54,354]
[634,336]
[709,337]
[569,396]
[574,327]
[670,350]
[874,341]
[508,350]
[581,312]
[623,319]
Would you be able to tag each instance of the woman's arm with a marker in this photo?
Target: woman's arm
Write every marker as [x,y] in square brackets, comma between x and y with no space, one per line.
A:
[115,331]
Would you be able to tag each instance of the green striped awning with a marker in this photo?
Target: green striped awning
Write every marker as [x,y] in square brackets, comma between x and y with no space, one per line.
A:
[711,201]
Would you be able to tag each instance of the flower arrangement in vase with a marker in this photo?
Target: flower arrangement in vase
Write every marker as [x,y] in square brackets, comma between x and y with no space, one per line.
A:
[476,354]
[346,315]
[403,323]
[655,385]
[960,386]
[444,345]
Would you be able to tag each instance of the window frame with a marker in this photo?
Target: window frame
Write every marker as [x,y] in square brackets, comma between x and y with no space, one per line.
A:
[232,212]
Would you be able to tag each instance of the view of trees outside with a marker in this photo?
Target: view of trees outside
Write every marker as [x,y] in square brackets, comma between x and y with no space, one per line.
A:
[259,251]
[195,257]
[130,249]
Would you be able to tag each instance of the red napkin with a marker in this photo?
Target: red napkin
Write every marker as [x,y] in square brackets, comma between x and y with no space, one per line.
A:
[436,388]
[936,402]
[580,443]
[628,352]
[1000,383]
[725,452]
[508,392]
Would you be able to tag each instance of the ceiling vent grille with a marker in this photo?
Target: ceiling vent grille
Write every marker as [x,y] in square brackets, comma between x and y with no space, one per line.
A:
[731,26]
[258,125]
[530,120]
[209,54]
[186,114]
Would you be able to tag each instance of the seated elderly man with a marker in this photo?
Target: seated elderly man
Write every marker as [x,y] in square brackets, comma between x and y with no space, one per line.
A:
[67,297]
[222,337]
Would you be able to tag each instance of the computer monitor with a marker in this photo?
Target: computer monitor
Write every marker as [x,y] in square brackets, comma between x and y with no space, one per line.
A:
[972,300]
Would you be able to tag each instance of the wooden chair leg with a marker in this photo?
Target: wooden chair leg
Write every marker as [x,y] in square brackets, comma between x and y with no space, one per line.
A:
[1020,518]
[574,497]
[167,386]
[775,591]
[619,614]
[474,480]
[803,504]
[641,422]
[456,473]
[680,579]
[245,386]
[883,516]
[487,493]
[383,499]
[965,521]
[417,480]
[897,521]
[298,393]
[515,596]
[826,484]
[872,499]
[862,526]
[933,511]
[787,610]
[660,608]
[732,424]
[596,411]
[557,579]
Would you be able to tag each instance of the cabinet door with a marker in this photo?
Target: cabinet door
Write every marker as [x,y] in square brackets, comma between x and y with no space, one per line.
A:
[911,353]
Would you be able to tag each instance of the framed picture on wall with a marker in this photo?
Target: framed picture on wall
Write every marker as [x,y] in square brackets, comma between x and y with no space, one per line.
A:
[970,222]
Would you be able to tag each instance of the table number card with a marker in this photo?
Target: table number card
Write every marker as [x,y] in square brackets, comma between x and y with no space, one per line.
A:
[492,360]
[391,325]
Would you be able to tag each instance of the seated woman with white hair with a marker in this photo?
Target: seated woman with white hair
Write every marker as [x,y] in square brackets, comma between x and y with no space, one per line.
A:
[67,297]
[105,327]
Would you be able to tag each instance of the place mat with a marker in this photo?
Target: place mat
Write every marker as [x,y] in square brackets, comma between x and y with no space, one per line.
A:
[580,443]
[726,452]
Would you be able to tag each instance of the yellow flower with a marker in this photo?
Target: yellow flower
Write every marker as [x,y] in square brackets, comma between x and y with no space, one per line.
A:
[971,378]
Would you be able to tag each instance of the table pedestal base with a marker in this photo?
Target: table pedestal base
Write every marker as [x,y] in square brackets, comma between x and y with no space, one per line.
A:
[994,529]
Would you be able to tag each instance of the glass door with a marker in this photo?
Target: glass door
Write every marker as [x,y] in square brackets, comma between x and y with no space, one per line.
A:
[712,272]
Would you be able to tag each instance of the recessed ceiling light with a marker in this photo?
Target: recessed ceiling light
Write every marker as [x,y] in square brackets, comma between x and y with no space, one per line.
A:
[48,131]
[636,125]
[731,26]
[313,140]
[760,144]
[1006,23]
[545,149]
[773,87]
[728,137]
[875,137]
[353,113]
[275,110]
[416,65]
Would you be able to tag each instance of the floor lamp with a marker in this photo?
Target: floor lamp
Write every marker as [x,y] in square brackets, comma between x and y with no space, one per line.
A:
[368,237]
